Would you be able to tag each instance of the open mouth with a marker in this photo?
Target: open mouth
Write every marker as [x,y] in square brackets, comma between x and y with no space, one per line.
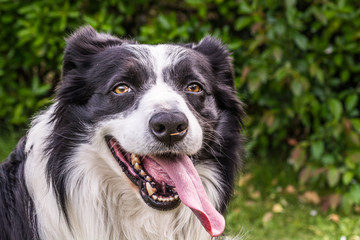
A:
[165,181]
[155,186]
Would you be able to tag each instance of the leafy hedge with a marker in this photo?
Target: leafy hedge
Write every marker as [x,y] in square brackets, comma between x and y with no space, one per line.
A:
[296,64]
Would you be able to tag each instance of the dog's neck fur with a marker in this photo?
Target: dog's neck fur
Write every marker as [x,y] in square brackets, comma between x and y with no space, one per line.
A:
[101,202]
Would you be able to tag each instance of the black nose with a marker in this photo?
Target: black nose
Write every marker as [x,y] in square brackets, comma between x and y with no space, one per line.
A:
[169,127]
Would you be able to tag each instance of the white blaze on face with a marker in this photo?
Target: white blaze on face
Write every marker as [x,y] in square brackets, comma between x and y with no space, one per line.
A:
[161,97]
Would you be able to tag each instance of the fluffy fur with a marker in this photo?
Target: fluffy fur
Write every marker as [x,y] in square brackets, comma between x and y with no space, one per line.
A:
[63,182]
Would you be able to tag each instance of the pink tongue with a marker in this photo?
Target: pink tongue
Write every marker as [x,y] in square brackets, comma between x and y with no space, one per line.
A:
[192,193]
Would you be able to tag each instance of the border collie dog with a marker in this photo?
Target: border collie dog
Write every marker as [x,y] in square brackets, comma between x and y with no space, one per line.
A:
[141,142]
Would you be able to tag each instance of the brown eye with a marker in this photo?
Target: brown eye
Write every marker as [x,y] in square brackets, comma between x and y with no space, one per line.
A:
[121,89]
[194,87]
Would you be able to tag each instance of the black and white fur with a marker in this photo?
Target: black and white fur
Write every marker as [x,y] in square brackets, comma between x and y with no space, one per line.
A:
[62,182]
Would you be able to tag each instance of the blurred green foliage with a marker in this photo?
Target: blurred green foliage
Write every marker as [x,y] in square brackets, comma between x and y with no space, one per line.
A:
[296,65]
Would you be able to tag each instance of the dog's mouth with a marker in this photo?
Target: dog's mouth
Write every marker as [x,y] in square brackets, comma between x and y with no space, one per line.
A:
[165,181]
[155,186]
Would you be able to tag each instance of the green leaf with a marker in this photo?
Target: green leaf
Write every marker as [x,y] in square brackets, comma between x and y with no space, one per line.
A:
[319,15]
[328,159]
[335,108]
[242,22]
[351,161]
[254,84]
[278,54]
[164,21]
[90,20]
[290,3]
[351,101]
[301,41]
[347,177]
[244,8]
[333,176]
[356,124]
[296,87]
[280,28]
[338,59]
[345,75]
[317,149]
[355,193]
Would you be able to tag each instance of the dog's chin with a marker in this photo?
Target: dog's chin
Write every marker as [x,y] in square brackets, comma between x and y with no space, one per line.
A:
[155,186]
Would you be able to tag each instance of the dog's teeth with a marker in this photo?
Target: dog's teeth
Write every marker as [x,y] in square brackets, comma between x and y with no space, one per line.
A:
[160,198]
[154,197]
[134,159]
[171,198]
[147,178]
[176,197]
[137,166]
[150,189]
[174,189]
[142,173]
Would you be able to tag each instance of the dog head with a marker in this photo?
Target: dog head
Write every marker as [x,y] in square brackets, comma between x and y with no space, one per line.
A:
[160,109]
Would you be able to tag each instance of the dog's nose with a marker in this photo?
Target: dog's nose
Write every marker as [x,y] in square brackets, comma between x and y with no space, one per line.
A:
[169,127]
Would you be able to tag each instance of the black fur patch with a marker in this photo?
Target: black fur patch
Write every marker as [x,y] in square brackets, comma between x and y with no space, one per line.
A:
[17,212]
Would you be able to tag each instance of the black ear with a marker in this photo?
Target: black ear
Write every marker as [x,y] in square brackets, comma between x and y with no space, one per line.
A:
[79,57]
[82,45]
[221,63]
[219,57]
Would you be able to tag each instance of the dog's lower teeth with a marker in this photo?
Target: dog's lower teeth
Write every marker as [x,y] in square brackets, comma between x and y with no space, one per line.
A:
[137,166]
[162,199]
[150,189]
[176,197]
[142,173]
[147,178]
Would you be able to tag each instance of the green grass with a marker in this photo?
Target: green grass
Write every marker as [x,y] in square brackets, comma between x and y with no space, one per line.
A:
[252,214]
[262,208]
[294,222]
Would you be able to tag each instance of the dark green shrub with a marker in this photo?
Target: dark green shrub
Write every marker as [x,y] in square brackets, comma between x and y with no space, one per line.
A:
[302,83]
[296,65]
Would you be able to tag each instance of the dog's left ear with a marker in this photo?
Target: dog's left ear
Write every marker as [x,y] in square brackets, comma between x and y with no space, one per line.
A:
[221,63]
[219,57]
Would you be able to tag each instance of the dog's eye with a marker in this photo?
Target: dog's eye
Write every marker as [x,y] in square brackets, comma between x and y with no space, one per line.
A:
[194,87]
[120,89]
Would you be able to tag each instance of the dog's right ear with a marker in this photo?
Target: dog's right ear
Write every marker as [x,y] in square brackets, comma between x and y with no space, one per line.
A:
[82,45]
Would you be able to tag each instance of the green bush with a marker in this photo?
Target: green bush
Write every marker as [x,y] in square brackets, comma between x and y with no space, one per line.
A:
[295,62]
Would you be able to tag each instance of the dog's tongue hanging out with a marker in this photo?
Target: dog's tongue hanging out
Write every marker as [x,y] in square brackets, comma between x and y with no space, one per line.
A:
[192,193]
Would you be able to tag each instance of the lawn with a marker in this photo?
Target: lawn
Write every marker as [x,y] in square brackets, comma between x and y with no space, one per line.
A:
[281,212]
[268,204]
